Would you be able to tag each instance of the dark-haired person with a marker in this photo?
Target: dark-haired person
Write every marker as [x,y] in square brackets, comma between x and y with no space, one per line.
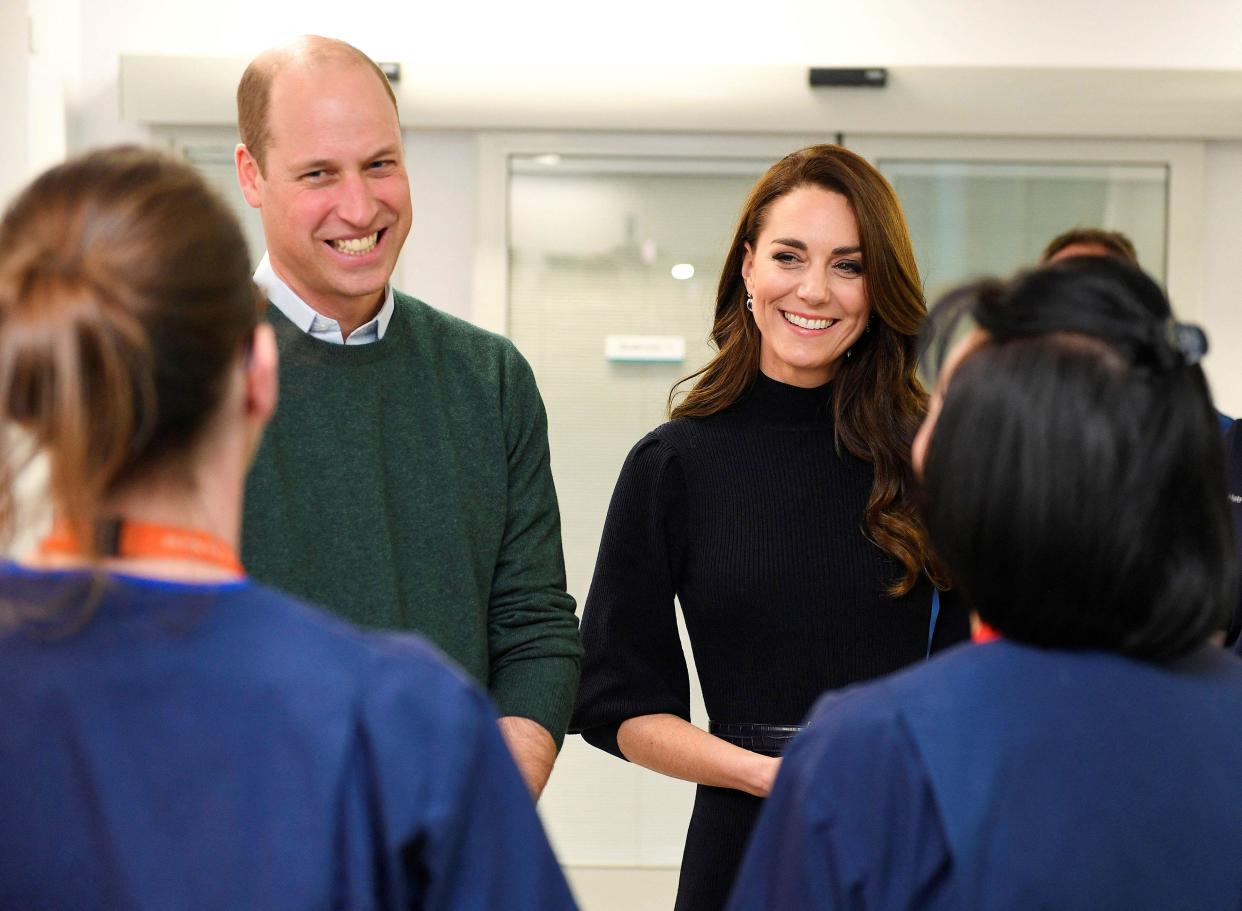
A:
[174,735]
[405,482]
[1091,757]
[775,507]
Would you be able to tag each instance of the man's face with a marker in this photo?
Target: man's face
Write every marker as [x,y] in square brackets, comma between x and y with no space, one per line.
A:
[334,198]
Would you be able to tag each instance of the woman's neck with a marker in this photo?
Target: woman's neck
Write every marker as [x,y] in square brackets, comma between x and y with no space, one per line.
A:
[188,500]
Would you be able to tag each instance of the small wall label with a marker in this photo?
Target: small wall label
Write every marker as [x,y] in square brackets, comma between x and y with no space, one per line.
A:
[648,349]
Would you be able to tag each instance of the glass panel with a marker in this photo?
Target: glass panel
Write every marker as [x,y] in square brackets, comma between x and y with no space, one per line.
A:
[600,247]
[975,218]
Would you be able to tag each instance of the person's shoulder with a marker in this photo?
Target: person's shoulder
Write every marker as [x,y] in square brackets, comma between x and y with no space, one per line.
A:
[963,678]
[413,695]
[879,704]
[685,433]
[851,735]
[968,682]
[690,442]
[872,705]
[411,656]
[479,359]
[662,446]
[375,660]
[266,603]
[268,614]
[426,320]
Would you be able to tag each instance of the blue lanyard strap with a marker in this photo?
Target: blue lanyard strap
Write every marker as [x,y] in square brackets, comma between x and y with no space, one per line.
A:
[935,615]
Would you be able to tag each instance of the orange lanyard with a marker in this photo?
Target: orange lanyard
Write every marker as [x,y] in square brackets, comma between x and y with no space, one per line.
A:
[984,633]
[126,538]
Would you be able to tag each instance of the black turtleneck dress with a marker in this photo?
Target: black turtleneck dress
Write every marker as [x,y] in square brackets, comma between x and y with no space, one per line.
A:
[753,520]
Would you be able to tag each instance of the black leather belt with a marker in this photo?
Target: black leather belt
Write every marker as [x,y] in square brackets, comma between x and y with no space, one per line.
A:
[768,739]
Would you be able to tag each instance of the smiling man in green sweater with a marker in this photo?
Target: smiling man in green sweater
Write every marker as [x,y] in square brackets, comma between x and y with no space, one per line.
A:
[404,481]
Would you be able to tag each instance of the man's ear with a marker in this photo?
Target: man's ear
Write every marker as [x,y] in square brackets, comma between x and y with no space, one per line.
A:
[249,176]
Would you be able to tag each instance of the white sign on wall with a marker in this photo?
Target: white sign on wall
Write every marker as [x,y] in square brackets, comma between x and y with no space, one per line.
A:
[659,349]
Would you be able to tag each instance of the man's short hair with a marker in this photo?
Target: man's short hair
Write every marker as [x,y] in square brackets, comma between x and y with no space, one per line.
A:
[1116,243]
[254,91]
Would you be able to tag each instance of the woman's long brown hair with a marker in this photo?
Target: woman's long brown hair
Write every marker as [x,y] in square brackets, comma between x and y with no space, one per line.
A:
[878,400]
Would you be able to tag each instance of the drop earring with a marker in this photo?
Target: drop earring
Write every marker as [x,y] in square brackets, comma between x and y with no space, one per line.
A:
[750,303]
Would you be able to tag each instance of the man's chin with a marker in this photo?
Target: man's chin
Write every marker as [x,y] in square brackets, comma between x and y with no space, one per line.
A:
[359,285]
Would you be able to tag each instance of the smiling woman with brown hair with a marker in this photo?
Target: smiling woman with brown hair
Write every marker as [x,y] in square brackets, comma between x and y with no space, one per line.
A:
[775,507]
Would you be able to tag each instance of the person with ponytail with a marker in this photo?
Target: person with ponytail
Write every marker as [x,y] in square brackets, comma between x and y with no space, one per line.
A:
[776,506]
[174,735]
[1090,756]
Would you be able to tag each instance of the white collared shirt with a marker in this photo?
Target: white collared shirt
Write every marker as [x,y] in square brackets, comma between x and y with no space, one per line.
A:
[316,325]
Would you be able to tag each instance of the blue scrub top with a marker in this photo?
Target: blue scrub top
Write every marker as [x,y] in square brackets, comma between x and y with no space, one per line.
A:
[1005,776]
[223,746]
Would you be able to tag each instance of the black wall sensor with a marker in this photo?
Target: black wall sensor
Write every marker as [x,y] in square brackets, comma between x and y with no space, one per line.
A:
[866,77]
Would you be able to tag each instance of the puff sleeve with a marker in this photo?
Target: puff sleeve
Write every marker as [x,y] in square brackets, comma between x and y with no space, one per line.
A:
[633,663]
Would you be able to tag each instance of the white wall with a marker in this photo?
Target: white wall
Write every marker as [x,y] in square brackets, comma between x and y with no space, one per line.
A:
[15,99]
[54,74]
[438,257]
[1121,33]
[1222,282]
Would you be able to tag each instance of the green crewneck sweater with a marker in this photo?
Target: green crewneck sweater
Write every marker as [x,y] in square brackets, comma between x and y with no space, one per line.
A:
[405,484]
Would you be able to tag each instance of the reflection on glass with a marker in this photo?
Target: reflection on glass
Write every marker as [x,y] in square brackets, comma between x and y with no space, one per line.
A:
[992,218]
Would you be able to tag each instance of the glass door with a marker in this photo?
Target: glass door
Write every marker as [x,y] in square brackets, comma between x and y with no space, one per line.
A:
[970,218]
[989,207]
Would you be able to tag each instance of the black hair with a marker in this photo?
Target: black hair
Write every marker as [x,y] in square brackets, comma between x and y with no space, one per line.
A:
[1075,481]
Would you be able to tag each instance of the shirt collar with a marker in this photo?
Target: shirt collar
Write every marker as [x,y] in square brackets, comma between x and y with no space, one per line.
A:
[316,324]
